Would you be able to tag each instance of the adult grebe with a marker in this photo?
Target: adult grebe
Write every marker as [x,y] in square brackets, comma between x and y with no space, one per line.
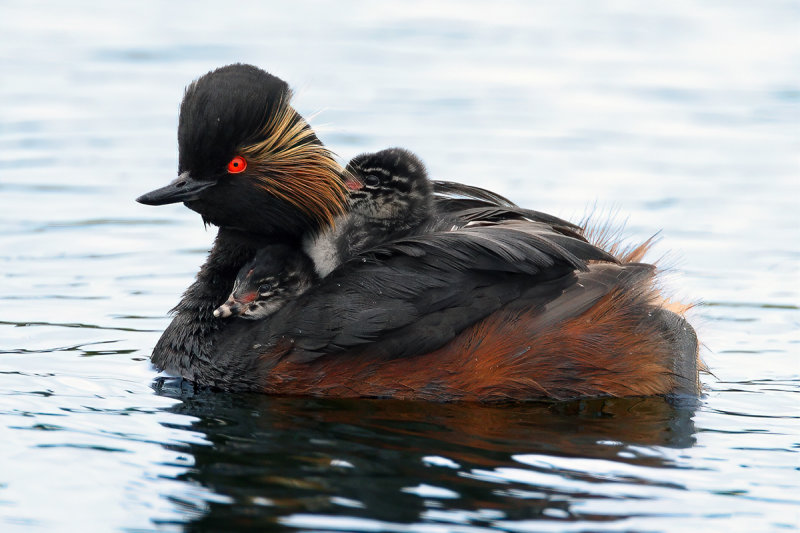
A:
[508,304]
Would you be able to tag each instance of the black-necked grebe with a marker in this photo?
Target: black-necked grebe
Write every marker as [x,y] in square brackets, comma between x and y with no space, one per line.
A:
[276,275]
[506,306]
[389,196]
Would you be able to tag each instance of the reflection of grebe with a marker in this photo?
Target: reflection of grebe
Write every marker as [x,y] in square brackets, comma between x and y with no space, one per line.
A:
[511,304]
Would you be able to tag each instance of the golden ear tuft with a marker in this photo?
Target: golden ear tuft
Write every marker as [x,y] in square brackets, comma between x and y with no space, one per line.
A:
[292,164]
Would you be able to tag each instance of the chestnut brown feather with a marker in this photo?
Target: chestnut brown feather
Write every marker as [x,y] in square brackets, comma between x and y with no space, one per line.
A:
[589,341]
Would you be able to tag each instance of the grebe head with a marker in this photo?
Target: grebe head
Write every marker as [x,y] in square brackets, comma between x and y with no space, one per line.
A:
[248,160]
[392,183]
[276,275]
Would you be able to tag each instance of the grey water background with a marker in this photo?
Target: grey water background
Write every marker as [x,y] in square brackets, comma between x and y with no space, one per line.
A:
[680,117]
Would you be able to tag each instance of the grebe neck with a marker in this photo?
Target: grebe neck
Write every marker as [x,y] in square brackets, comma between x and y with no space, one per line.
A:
[184,349]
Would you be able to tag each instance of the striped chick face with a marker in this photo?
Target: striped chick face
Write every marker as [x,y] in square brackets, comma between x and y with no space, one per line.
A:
[275,276]
[390,184]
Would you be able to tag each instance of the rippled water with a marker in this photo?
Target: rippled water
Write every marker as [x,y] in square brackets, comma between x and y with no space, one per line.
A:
[679,116]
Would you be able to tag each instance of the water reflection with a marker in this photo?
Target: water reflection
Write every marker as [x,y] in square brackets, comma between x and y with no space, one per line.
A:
[404,462]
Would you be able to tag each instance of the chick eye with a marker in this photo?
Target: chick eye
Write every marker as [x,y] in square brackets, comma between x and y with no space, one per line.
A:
[264,288]
[372,180]
[237,164]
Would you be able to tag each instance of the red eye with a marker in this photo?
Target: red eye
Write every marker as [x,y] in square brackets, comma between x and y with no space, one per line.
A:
[237,164]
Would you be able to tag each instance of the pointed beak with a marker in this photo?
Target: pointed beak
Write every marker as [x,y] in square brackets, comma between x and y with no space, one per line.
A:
[230,308]
[353,184]
[183,189]
[351,181]
[223,311]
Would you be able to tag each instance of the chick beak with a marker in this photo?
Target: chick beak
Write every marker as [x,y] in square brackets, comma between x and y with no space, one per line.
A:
[353,184]
[223,311]
[182,189]
[230,308]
